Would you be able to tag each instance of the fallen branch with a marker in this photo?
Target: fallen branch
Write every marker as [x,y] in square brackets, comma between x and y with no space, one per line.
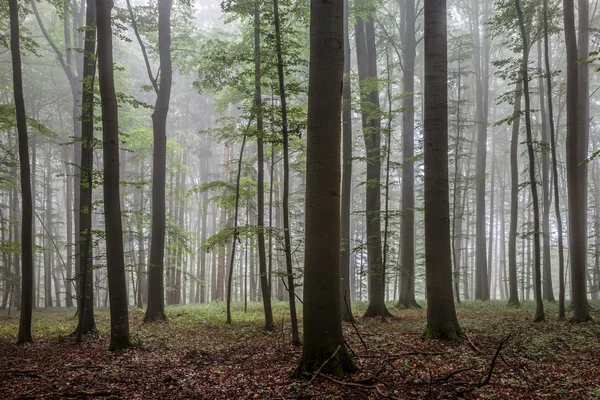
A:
[475,348]
[92,367]
[325,363]
[451,374]
[493,363]
[354,325]
[485,379]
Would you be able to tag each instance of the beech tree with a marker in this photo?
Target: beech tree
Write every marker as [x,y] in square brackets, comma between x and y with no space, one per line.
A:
[441,315]
[323,337]
[119,317]
[26,198]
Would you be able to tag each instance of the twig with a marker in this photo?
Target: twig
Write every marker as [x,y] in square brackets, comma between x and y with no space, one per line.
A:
[488,375]
[325,363]
[289,291]
[92,367]
[451,374]
[493,363]
[475,348]
[354,326]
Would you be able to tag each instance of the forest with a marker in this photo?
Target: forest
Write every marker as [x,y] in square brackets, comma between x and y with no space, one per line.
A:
[281,199]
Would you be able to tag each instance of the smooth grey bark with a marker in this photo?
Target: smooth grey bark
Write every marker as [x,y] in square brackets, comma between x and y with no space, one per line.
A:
[119,317]
[576,170]
[345,296]
[155,310]
[441,315]
[260,196]
[323,336]
[539,309]
[407,228]
[547,291]
[25,319]
[286,179]
[513,295]
[85,304]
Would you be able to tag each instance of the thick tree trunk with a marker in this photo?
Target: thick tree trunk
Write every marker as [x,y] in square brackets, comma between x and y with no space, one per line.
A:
[441,315]
[119,318]
[576,170]
[323,338]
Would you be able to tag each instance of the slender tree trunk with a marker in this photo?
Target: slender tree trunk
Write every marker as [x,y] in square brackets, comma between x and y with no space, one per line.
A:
[119,318]
[407,228]
[24,334]
[156,302]
[539,311]
[547,291]
[366,58]
[513,296]
[286,180]
[85,304]
[345,295]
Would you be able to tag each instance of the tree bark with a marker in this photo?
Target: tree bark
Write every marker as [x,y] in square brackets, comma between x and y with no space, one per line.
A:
[576,170]
[539,310]
[441,315]
[323,338]
[119,318]
[24,334]
[513,295]
[156,302]
[85,304]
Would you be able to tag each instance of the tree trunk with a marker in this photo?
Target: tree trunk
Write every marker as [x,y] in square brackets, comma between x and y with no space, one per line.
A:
[367,67]
[547,291]
[441,315]
[24,334]
[156,302]
[576,170]
[85,302]
[539,311]
[407,229]
[286,180]
[513,295]
[323,338]
[119,318]
[345,297]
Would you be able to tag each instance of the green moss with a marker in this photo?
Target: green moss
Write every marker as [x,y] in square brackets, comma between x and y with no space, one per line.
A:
[448,331]
[339,366]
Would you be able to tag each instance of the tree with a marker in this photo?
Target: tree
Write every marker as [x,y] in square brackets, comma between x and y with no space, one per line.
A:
[86,321]
[482,290]
[345,300]
[156,302]
[371,122]
[576,170]
[513,293]
[559,224]
[539,310]
[441,315]
[286,178]
[323,337]
[24,335]
[119,318]
[407,233]
[260,196]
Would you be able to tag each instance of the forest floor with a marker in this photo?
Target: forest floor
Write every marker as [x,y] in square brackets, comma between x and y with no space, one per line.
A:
[197,356]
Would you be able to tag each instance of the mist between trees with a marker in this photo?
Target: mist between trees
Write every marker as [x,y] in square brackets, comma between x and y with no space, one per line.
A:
[415,154]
